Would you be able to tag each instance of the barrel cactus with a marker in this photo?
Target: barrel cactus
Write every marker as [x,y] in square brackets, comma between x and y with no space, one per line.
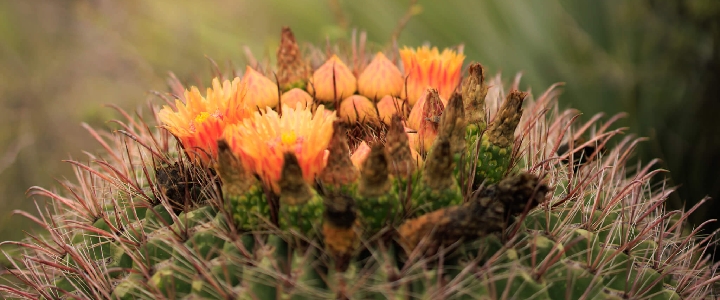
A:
[341,176]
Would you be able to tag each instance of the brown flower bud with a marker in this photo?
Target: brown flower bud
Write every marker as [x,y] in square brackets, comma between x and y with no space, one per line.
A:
[292,71]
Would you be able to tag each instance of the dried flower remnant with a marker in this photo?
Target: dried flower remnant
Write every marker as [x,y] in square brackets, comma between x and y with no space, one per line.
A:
[339,169]
[488,213]
[292,70]
[474,91]
[501,131]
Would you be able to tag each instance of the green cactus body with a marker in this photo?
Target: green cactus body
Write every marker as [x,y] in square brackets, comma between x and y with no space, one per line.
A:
[248,209]
[205,242]
[426,199]
[221,275]
[170,282]
[538,231]
[157,248]
[195,217]
[158,217]
[378,212]
[492,162]
[302,217]
[130,287]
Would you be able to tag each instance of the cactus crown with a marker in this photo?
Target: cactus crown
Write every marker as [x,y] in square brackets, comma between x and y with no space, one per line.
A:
[362,180]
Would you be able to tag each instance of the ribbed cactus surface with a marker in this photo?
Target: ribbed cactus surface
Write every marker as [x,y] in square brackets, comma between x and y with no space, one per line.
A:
[365,180]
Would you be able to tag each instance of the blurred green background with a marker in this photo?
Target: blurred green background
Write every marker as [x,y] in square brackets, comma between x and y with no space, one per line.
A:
[62,60]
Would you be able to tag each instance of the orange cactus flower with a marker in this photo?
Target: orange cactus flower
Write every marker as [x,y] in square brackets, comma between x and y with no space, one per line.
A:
[333,73]
[260,141]
[260,92]
[200,121]
[428,67]
[380,78]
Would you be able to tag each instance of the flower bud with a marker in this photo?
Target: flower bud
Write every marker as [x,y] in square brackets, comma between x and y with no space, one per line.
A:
[380,78]
[357,108]
[332,81]
[292,97]
[425,118]
[389,106]
[258,91]
[360,154]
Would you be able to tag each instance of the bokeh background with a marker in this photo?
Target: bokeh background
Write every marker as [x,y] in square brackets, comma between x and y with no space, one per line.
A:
[61,61]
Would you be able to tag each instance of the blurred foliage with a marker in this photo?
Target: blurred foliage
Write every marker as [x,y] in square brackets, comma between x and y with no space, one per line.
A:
[60,61]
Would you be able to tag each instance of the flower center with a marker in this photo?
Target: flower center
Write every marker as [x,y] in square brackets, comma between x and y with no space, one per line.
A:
[288,138]
[202,117]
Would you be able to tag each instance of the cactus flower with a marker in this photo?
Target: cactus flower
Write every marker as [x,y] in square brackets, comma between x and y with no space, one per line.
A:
[332,81]
[380,78]
[262,140]
[428,67]
[259,91]
[200,121]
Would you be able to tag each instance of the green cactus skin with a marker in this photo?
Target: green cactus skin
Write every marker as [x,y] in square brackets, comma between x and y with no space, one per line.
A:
[247,209]
[302,217]
[426,199]
[371,233]
[492,162]
[378,212]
